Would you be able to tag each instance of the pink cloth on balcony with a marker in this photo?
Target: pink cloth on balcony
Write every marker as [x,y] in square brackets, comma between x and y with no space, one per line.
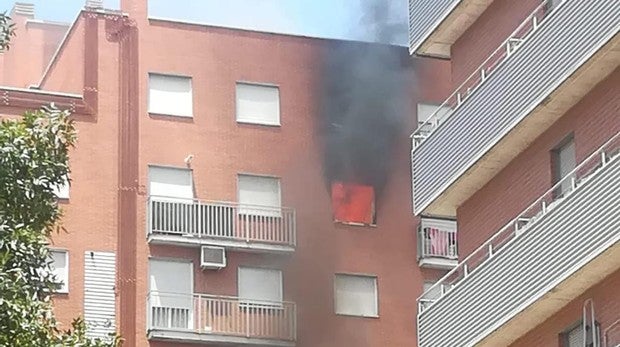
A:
[439,241]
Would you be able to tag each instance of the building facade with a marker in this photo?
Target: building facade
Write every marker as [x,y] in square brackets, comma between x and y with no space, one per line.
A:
[198,210]
[523,153]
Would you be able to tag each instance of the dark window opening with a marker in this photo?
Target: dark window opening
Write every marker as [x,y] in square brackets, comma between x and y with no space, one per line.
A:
[563,162]
[574,336]
[353,203]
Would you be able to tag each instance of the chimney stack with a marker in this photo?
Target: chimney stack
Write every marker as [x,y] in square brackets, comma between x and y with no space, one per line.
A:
[23,9]
[94,4]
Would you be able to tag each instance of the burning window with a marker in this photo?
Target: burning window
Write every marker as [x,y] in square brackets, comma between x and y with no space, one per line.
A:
[353,203]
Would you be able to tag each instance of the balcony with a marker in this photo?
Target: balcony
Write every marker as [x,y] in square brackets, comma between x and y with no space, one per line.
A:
[550,62]
[193,223]
[434,25]
[437,243]
[220,320]
[540,261]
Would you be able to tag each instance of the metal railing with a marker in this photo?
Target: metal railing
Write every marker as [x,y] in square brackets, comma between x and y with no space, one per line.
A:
[222,315]
[608,152]
[221,220]
[438,243]
[482,73]
[611,335]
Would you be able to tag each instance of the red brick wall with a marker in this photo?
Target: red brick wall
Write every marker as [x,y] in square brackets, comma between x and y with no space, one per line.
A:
[222,149]
[606,305]
[494,26]
[91,213]
[31,50]
[593,120]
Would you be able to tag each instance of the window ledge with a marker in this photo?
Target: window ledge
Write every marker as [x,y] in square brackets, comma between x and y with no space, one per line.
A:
[159,114]
[357,316]
[274,125]
[354,224]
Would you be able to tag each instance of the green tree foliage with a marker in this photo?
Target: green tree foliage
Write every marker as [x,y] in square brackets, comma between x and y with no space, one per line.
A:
[33,160]
[7,29]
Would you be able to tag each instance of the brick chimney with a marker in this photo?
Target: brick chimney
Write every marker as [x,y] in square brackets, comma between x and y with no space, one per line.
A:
[94,4]
[23,9]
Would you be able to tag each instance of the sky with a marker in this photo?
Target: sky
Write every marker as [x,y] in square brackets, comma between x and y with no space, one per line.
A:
[340,19]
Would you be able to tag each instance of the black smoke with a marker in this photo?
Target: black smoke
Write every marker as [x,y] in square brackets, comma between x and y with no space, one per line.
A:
[364,101]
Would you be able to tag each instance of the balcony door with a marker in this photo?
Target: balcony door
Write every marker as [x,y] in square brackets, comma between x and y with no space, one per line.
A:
[172,201]
[171,285]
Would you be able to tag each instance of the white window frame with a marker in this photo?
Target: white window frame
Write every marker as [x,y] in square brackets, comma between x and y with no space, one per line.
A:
[251,302]
[167,113]
[242,120]
[277,210]
[376,295]
[64,277]
[62,191]
[435,106]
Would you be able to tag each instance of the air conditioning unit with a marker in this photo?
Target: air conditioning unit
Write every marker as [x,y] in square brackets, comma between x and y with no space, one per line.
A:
[212,257]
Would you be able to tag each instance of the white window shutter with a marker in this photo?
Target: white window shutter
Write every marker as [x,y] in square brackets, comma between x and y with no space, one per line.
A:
[60,269]
[99,294]
[170,283]
[170,95]
[170,183]
[356,295]
[259,195]
[256,284]
[62,190]
[258,104]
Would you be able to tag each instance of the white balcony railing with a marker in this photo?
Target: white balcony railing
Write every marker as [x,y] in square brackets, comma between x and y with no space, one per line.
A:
[437,239]
[544,204]
[482,73]
[200,219]
[221,315]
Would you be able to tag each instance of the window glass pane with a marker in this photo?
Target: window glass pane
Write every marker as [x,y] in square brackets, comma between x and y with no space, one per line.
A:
[258,104]
[356,295]
[260,284]
[170,95]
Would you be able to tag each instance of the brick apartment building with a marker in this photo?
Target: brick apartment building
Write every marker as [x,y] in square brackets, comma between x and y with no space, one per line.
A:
[198,211]
[524,154]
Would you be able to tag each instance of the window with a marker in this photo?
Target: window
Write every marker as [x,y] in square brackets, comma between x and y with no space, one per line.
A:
[170,95]
[353,203]
[574,336]
[425,111]
[259,195]
[256,284]
[171,286]
[258,104]
[356,295]
[563,162]
[62,190]
[59,267]
[168,182]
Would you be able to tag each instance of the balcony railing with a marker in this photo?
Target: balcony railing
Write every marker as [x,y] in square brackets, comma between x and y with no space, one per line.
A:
[482,73]
[437,243]
[525,220]
[220,315]
[228,221]
[611,335]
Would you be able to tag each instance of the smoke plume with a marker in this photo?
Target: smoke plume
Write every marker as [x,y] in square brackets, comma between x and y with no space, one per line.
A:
[364,101]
